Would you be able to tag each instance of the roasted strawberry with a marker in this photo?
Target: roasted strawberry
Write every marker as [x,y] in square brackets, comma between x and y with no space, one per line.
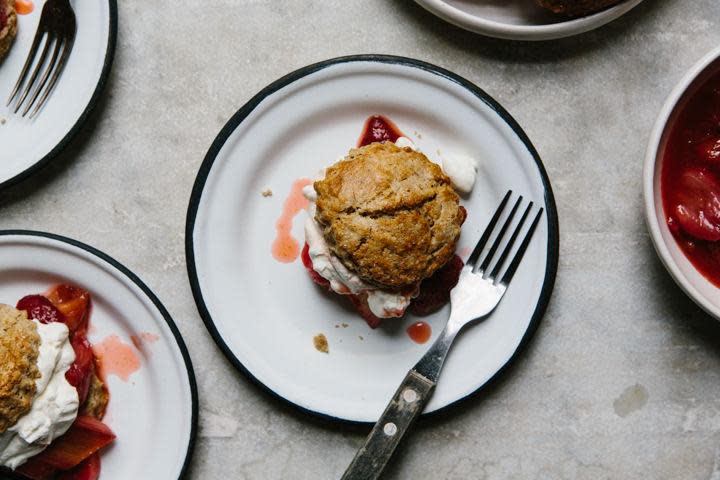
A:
[89,469]
[41,309]
[698,204]
[80,372]
[361,305]
[307,262]
[709,151]
[74,303]
[86,437]
[435,291]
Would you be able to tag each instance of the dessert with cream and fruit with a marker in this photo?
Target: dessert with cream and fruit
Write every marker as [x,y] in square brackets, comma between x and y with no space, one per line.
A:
[384,225]
[51,398]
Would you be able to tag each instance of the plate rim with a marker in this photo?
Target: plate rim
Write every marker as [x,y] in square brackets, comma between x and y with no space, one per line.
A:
[92,103]
[531,33]
[237,118]
[158,305]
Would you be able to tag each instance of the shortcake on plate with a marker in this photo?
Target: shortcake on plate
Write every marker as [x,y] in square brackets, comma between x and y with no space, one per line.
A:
[52,399]
[384,221]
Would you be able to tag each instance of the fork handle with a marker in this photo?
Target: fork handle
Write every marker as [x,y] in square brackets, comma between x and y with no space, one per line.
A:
[405,406]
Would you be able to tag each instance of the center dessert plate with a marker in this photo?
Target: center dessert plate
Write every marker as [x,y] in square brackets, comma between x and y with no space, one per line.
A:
[520,19]
[264,314]
[27,144]
[153,412]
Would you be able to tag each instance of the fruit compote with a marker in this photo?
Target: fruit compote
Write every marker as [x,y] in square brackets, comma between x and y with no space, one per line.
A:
[690,179]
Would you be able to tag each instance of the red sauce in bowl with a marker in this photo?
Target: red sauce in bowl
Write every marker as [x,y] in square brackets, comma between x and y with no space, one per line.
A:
[690,179]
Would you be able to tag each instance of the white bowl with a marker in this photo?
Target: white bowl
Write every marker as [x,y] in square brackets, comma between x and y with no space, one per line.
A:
[519,19]
[699,288]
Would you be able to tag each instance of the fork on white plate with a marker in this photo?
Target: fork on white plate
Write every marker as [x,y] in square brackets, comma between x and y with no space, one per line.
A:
[57,28]
[481,286]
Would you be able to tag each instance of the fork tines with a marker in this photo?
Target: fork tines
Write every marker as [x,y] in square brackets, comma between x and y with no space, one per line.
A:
[502,239]
[56,31]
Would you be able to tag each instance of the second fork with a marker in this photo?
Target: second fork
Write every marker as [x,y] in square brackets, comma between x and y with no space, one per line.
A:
[57,28]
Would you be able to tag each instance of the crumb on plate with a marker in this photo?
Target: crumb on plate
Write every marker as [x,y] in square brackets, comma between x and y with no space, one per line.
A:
[267,193]
[321,343]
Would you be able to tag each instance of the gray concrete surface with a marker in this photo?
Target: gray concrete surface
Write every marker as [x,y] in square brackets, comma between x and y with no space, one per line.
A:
[622,379]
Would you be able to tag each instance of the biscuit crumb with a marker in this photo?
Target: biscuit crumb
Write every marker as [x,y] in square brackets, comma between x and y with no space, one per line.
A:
[345,325]
[337,325]
[321,343]
[361,337]
[267,193]
[2,120]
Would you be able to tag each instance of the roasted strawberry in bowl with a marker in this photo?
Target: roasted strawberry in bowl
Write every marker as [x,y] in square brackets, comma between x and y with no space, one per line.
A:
[52,400]
[682,184]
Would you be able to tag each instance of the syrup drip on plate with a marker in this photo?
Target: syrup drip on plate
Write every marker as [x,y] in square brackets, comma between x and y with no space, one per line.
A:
[419,332]
[116,358]
[286,248]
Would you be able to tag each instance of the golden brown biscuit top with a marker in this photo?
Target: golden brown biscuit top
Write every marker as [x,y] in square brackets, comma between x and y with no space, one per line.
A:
[389,214]
[19,350]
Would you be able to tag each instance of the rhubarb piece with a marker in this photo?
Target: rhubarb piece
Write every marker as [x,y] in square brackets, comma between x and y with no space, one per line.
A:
[435,291]
[698,204]
[41,309]
[86,437]
[80,372]
[73,303]
[89,469]
[97,399]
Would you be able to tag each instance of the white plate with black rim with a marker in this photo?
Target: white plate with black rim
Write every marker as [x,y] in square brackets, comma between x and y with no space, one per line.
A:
[28,144]
[153,413]
[520,19]
[264,314]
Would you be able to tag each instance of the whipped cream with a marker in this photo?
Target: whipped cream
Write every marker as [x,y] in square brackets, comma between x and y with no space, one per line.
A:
[56,403]
[460,169]
[383,304]
[403,142]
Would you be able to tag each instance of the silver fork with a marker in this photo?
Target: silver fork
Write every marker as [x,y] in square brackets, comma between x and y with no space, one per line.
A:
[57,26]
[476,295]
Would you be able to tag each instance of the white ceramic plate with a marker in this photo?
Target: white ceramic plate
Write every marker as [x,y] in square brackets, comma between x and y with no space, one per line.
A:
[699,288]
[154,413]
[264,314]
[519,19]
[28,144]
